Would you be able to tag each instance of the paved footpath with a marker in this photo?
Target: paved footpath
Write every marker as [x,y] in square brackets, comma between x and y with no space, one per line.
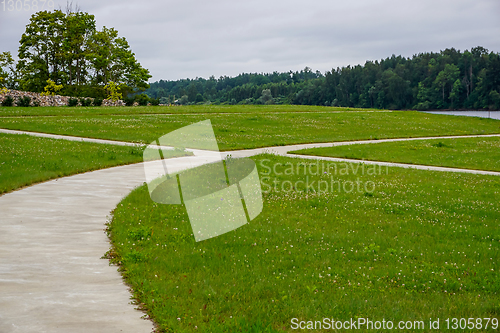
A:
[52,237]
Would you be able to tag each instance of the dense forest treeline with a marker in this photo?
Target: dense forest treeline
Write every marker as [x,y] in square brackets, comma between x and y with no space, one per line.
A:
[449,79]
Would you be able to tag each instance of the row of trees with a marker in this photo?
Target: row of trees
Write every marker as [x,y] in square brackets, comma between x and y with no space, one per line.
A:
[449,79]
[68,49]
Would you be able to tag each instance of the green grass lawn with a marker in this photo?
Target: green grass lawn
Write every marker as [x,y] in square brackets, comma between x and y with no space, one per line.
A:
[128,110]
[260,127]
[380,243]
[468,153]
[25,160]
[401,245]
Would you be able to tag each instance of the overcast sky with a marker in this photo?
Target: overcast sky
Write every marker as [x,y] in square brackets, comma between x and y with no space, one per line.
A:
[192,38]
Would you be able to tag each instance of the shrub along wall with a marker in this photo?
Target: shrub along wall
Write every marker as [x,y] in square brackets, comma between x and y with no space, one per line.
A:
[38,99]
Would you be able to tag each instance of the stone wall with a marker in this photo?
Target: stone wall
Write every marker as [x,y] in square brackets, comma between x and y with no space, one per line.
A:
[49,100]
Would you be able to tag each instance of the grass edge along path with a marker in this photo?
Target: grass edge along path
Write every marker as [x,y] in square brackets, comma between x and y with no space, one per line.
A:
[312,256]
[26,159]
[464,152]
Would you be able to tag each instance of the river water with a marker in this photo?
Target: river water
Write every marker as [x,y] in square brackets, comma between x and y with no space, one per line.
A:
[482,114]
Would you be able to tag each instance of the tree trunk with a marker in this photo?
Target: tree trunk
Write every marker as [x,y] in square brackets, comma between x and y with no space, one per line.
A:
[78,70]
[471,86]
[70,70]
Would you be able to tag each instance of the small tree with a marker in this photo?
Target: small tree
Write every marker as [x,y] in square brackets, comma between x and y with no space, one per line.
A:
[267,97]
[8,75]
[495,100]
[455,93]
[199,98]
[51,89]
[142,99]
[184,100]
[112,89]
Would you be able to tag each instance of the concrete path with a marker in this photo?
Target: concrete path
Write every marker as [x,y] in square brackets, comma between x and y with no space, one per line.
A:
[399,165]
[278,150]
[284,150]
[51,239]
[69,138]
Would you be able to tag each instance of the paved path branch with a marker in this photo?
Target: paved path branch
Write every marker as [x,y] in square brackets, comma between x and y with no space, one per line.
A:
[51,239]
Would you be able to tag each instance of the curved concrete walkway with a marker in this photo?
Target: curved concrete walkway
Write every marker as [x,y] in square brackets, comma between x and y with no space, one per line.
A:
[51,239]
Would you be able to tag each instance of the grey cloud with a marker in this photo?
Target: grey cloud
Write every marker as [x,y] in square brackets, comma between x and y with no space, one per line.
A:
[179,39]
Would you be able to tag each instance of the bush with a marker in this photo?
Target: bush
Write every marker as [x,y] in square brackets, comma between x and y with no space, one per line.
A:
[72,102]
[113,91]
[266,97]
[83,91]
[129,101]
[51,88]
[142,99]
[85,101]
[155,101]
[97,101]
[422,106]
[24,101]
[36,103]
[8,101]
[184,100]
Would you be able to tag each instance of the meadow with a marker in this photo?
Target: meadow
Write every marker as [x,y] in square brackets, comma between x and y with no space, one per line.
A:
[417,245]
[25,160]
[466,153]
[173,109]
[255,126]
[394,244]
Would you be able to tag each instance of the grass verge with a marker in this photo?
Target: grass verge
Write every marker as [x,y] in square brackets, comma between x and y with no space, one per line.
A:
[467,153]
[378,243]
[25,160]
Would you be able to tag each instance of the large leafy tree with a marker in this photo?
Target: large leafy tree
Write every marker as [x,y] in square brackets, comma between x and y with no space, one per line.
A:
[445,79]
[113,60]
[67,48]
[40,52]
[77,36]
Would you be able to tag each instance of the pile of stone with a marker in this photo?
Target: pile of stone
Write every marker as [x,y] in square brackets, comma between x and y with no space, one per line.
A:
[109,102]
[38,99]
